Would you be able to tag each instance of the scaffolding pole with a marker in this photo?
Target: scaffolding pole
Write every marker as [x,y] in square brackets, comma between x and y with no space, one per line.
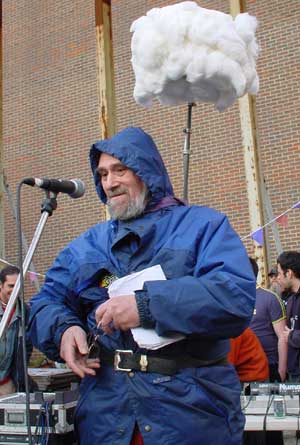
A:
[252,166]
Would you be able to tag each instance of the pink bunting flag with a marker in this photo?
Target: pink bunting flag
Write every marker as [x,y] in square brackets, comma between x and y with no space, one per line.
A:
[258,236]
[32,277]
[283,220]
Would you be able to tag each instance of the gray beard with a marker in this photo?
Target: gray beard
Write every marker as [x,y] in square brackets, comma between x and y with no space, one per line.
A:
[134,209]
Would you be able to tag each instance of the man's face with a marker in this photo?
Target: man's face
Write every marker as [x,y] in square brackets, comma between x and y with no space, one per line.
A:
[126,193]
[6,288]
[284,278]
[273,279]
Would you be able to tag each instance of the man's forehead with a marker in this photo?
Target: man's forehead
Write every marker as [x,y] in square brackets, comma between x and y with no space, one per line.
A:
[12,276]
[106,159]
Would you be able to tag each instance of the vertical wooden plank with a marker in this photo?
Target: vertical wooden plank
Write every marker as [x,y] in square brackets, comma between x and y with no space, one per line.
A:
[252,165]
[105,71]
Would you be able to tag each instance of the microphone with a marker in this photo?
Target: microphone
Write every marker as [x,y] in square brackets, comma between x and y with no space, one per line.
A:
[73,187]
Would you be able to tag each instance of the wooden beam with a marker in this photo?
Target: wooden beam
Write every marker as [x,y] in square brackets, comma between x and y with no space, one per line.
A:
[105,70]
[252,165]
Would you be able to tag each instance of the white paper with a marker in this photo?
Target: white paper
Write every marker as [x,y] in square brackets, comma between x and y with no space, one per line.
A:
[145,338]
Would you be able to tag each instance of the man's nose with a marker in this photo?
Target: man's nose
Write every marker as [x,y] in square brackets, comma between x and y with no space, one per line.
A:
[112,181]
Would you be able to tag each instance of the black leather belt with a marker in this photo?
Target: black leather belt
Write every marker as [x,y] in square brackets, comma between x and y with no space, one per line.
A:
[127,360]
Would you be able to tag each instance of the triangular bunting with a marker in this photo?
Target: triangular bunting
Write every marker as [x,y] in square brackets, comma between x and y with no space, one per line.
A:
[32,276]
[258,236]
[283,220]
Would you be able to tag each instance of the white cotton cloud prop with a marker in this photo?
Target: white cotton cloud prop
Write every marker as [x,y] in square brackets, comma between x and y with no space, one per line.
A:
[185,53]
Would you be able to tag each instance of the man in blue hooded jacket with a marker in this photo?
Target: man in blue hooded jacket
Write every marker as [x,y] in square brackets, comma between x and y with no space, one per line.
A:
[184,393]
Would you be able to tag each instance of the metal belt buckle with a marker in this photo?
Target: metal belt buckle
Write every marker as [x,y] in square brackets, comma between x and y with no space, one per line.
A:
[118,358]
[144,362]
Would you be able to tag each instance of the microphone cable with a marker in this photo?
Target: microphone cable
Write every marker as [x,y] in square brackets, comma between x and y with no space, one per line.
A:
[270,400]
[21,299]
[42,429]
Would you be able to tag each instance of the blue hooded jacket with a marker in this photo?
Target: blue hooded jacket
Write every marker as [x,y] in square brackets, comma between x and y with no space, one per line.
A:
[208,296]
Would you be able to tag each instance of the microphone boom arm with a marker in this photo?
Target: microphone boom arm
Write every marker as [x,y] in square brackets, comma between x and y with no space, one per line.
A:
[48,206]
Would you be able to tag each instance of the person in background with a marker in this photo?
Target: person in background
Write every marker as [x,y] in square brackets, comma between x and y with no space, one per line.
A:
[273,284]
[251,363]
[248,357]
[268,323]
[288,264]
[11,349]
[289,279]
[184,393]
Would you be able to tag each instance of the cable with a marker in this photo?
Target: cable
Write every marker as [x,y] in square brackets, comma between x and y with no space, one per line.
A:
[42,429]
[270,400]
[47,412]
[22,301]
[297,437]
[249,399]
[38,434]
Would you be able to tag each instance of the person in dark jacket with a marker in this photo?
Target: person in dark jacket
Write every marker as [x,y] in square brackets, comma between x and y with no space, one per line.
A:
[289,279]
[268,323]
[11,349]
[186,392]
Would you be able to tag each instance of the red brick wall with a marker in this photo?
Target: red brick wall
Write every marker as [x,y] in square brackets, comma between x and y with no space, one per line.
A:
[278,109]
[51,116]
[50,109]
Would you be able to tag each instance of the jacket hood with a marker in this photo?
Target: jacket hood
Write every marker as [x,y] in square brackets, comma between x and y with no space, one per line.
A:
[137,150]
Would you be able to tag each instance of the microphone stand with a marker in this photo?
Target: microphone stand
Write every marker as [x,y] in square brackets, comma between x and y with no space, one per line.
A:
[48,206]
[186,152]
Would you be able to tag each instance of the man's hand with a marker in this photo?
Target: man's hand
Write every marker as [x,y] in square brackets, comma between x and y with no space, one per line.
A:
[121,312]
[286,333]
[282,373]
[74,350]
